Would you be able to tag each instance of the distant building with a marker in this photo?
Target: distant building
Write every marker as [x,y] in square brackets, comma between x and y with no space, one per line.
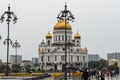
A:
[93,57]
[13,59]
[26,62]
[35,60]
[114,62]
[113,56]
[5,63]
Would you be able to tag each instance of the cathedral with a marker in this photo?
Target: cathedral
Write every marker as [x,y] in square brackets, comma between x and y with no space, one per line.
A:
[52,50]
[61,49]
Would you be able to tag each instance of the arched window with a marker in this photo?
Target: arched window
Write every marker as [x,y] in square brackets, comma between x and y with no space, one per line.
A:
[71,58]
[48,58]
[62,37]
[77,50]
[83,58]
[69,38]
[77,43]
[56,38]
[48,42]
[71,50]
[77,58]
[59,38]
[55,57]
[48,50]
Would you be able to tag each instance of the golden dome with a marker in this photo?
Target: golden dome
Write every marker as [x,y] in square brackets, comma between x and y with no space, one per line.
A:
[77,35]
[48,35]
[61,25]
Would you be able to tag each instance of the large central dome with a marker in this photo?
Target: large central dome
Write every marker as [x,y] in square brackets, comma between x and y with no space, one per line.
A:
[61,25]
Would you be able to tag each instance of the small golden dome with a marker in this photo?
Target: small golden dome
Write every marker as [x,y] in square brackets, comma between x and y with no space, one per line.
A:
[84,50]
[49,35]
[77,35]
[61,25]
[42,49]
[73,40]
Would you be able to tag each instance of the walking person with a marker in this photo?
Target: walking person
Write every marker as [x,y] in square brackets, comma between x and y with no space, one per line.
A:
[111,74]
[97,75]
[85,75]
[108,74]
[116,74]
[102,75]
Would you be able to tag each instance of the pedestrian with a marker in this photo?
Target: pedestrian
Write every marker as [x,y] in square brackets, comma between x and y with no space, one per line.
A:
[85,75]
[92,73]
[111,74]
[116,73]
[108,74]
[97,75]
[102,75]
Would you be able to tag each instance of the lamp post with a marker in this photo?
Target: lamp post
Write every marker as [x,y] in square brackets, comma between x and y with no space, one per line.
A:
[16,45]
[67,16]
[69,62]
[0,37]
[10,16]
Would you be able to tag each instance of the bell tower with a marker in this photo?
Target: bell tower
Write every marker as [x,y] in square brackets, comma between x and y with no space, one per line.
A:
[48,39]
[77,38]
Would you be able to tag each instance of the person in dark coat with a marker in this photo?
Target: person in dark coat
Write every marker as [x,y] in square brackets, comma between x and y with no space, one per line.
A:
[85,75]
[102,75]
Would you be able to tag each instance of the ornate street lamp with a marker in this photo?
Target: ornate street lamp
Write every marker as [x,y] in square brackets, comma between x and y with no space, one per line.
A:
[67,16]
[16,45]
[69,61]
[9,17]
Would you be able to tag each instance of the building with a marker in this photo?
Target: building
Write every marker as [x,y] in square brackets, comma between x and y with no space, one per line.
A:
[112,62]
[25,63]
[52,52]
[113,56]
[14,59]
[35,60]
[93,57]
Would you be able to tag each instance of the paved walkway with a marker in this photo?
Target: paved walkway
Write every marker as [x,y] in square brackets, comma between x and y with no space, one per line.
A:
[51,78]
[106,78]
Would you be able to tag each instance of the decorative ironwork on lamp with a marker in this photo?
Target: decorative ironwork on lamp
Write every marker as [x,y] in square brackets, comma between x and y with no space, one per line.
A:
[67,16]
[10,16]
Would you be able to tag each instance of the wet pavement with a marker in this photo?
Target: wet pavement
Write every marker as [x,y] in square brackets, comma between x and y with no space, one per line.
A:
[106,78]
[52,78]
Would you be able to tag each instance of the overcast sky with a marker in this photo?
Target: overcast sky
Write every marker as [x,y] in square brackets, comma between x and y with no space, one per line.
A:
[97,21]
